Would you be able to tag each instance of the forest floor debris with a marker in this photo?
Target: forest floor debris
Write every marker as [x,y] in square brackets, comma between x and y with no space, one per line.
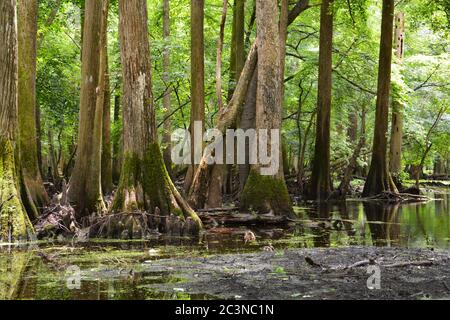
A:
[326,273]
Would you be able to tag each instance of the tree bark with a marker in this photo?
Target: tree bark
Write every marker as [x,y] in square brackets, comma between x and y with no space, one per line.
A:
[117,141]
[14,221]
[197,79]
[265,193]
[320,178]
[395,150]
[237,54]
[85,183]
[230,115]
[144,182]
[27,34]
[106,164]
[167,95]
[379,179]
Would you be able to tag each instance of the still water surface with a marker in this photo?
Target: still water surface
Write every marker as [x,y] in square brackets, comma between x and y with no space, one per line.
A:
[114,269]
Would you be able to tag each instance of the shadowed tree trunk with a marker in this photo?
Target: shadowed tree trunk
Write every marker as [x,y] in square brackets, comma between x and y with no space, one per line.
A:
[197,79]
[266,192]
[144,182]
[14,221]
[237,53]
[395,151]
[117,141]
[27,37]
[85,183]
[106,166]
[320,178]
[378,179]
[217,174]
[167,95]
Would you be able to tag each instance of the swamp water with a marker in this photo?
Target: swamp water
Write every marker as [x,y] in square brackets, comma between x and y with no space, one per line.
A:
[102,269]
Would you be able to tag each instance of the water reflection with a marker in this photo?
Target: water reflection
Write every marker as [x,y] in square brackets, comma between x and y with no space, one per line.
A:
[111,269]
[383,223]
[370,223]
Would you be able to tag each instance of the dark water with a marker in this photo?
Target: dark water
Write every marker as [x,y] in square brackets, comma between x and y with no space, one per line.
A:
[116,269]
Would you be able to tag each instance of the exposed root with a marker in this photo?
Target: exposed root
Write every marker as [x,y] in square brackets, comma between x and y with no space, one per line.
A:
[392,197]
[141,225]
[56,221]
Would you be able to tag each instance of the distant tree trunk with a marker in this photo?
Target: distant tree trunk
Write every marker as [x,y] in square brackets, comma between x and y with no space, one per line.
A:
[167,95]
[395,151]
[352,130]
[144,182]
[217,174]
[219,55]
[85,183]
[320,178]
[237,54]
[265,193]
[117,142]
[379,179]
[197,79]
[106,165]
[14,221]
[27,35]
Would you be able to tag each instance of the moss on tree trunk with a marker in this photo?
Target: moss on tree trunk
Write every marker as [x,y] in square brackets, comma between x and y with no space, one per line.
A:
[14,221]
[266,193]
[145,184]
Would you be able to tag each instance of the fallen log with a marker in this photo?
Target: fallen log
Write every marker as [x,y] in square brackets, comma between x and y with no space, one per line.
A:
[233,219]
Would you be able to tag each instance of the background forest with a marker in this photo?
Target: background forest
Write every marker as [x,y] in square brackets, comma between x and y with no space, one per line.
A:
[420,83]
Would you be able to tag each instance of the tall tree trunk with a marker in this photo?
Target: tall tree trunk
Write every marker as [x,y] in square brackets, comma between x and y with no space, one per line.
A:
[395,151]
[320,178]
[85,183]
[378,179]
[117,141]
[144,182]
[197,79]
[265,193]
[14,221]
[219,55]
[230,115]
[167,95]
[27,34]
[106,164]
[237,54]
[217,174]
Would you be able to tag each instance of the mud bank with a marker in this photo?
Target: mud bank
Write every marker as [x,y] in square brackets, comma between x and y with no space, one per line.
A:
[340,273]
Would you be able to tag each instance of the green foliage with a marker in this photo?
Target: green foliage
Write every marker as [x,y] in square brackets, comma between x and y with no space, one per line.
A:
[419,82]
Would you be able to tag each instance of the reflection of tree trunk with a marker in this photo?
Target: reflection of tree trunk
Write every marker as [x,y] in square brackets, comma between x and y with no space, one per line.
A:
[322,213]
[12,267]
[382,221]
[348,226]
